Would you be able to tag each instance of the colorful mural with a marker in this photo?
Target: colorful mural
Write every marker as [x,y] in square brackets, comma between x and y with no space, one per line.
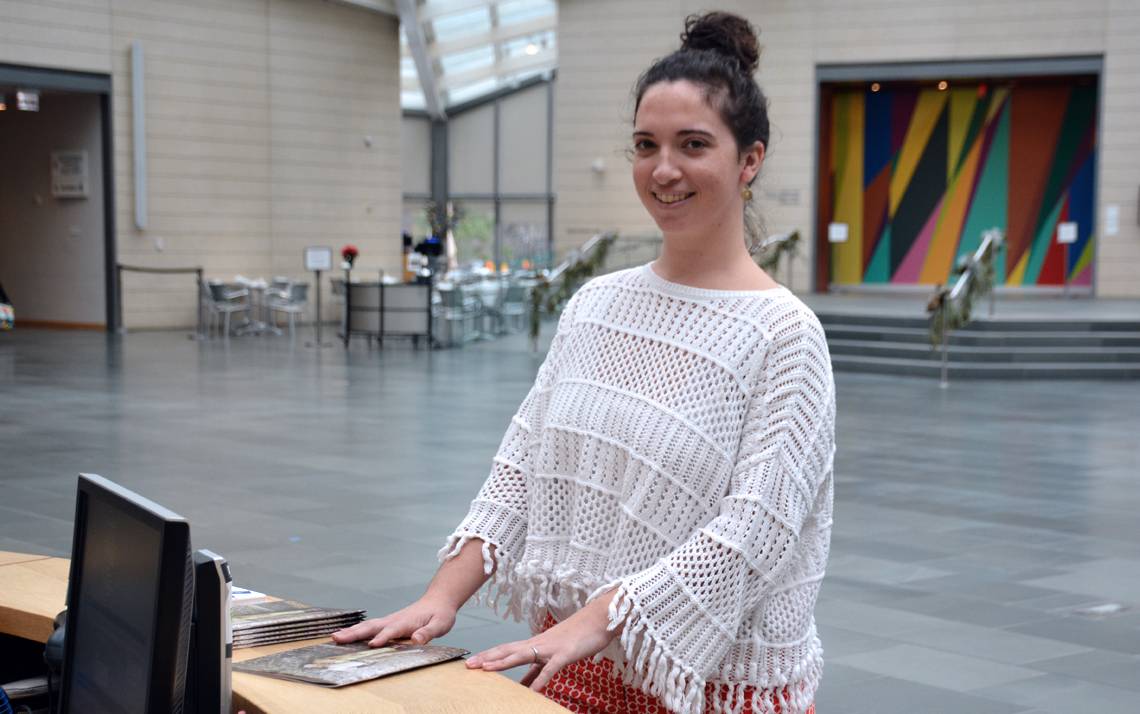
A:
[918,174]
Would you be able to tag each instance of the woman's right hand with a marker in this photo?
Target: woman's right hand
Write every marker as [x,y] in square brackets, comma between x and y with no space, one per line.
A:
[422,621]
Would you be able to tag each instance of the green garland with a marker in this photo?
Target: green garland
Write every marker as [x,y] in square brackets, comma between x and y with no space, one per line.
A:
[952,315]
[769,258]
[550,298]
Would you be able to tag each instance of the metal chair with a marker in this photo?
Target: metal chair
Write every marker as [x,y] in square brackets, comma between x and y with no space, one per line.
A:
[223,302]
[514,308]
[279,287]
[455,308]
[490,293]
[292,305]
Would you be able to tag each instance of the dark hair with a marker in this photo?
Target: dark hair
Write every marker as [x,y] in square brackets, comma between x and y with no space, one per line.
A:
[719,52]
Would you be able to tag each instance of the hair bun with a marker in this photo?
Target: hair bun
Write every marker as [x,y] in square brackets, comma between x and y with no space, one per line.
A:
[725,33]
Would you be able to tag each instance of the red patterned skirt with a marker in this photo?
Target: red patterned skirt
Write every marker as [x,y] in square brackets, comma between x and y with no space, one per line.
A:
[588,687]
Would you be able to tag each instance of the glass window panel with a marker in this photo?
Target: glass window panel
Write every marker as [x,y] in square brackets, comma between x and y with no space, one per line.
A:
[472,91]
[482,56]
[525,239]
[518,46]
[472,22]
[412,100]
[477,21]
[523,75]
[522,10]
[475,232]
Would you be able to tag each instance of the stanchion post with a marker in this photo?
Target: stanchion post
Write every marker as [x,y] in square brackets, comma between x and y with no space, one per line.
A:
[1065,268]
[119,329]
[320,342]
[201,306]
[347,319]
[318,259]
[945,346]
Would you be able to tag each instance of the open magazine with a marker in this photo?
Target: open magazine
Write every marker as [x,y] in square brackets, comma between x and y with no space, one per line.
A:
[332,665]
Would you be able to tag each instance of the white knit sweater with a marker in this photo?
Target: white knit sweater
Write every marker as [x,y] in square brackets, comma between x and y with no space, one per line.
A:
[678,445]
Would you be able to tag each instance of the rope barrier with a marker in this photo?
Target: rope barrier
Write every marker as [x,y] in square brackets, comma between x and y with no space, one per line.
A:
[197,270]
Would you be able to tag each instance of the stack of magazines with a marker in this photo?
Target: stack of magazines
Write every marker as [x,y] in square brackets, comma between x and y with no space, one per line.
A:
[264,621]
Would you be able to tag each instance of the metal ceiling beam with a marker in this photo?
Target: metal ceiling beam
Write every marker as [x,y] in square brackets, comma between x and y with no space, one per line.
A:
[417,44]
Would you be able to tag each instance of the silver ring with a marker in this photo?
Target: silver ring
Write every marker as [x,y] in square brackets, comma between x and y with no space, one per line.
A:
[535,651]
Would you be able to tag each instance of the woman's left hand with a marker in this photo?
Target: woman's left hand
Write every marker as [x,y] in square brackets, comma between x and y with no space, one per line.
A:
[581,635]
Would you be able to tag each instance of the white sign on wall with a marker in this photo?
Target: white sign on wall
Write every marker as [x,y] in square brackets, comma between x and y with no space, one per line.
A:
[1066,233]
[69,174]
[837,232]
[1111,219]
[318,257]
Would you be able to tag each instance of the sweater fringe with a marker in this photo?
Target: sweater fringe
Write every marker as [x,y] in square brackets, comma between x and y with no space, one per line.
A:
[526,591]
[790,694]
[648,664]
[523,591]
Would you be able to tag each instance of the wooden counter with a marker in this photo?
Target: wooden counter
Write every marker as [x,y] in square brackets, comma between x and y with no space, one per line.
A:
[33,589]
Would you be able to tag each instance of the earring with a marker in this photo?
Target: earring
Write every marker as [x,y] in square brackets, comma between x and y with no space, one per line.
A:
[746,194]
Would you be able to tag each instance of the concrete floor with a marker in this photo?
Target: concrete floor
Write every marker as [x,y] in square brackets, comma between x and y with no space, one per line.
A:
[972,525]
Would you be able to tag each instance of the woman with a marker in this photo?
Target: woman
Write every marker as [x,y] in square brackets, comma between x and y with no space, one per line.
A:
[661,502]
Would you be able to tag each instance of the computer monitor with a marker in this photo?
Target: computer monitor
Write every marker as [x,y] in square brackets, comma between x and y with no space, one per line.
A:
[129,604]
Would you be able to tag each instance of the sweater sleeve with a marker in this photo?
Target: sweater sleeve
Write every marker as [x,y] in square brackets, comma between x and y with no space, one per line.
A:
[680,616]
[498,515]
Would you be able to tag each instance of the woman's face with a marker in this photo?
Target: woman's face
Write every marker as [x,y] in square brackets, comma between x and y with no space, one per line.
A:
[686,166]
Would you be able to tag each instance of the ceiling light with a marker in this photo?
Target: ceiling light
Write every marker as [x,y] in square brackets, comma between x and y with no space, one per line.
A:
[532,49]
[875,86]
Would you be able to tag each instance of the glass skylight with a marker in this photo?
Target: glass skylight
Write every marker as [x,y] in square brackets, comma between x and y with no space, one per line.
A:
[513,11]
[476,47]
[471,22]
[467,60]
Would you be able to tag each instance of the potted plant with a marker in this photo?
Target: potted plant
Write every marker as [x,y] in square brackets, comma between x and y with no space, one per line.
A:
[348,254]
